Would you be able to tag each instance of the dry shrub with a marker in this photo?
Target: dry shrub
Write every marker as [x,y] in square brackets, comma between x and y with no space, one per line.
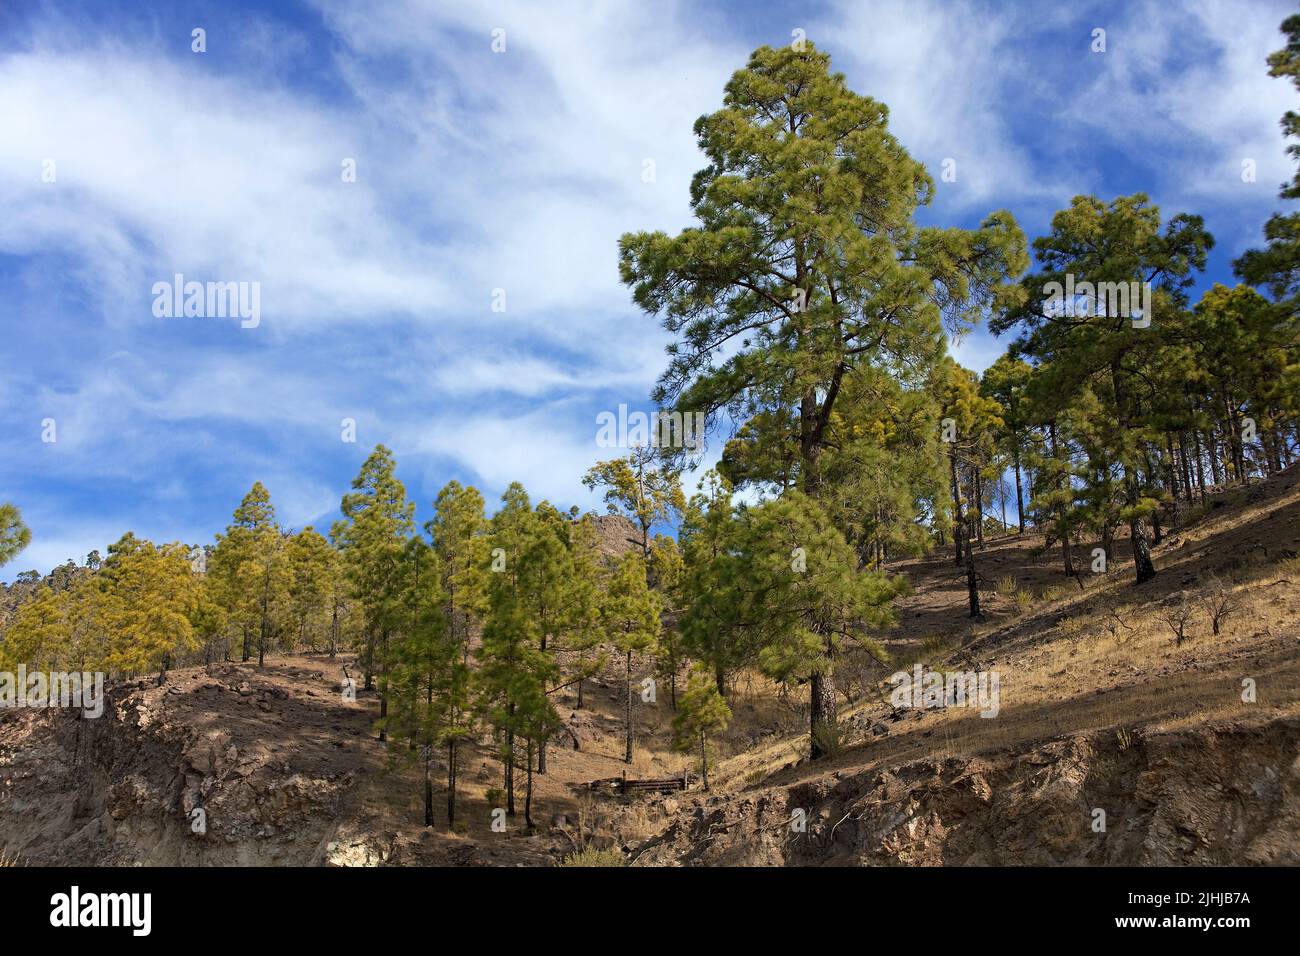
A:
[1219,601]
[591,857]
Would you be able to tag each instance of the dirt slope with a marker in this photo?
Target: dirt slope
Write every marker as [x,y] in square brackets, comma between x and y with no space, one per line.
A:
[1101,709]
[1222,795]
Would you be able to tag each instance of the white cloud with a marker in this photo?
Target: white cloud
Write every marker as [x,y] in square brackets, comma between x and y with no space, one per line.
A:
[547,455]
[163,169]
[1186,88]
[528,377]
[951,83]
[475,171]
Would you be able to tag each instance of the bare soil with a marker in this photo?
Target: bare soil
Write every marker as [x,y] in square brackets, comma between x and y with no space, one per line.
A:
[1100,709]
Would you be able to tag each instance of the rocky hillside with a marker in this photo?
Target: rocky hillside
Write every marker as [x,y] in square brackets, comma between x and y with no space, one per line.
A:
[1191,748]
[1102,709]
[1222,795]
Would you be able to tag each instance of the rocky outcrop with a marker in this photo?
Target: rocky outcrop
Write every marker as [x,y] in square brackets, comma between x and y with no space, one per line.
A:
[618,536]
[1221,796]
[224,765]
[144,785]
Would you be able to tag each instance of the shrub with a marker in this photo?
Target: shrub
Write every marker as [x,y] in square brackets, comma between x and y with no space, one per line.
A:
[1218,602]
[1176,612]
[1052,593]
[591,857]
[931,650]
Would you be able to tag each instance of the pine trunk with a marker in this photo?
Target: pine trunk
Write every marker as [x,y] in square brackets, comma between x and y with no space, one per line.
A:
[528,789]
[369,662]
[451,784]
[1146,570]
[1142,564]
[1002,502]
[957,516]
[1171,478]
[428,786]
[1200,465]
[627,712]
[383,691]
[972,585]
[822,721]
[1020,501]
[510,765]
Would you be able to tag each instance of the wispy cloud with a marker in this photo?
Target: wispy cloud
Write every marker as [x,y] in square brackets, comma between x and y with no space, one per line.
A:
[480,171]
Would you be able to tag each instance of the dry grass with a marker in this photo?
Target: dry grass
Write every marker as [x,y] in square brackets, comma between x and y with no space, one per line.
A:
[591,857]
[1098,658]
[1071,660]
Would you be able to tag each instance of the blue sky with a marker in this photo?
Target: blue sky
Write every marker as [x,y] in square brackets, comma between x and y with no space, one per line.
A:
[478,171]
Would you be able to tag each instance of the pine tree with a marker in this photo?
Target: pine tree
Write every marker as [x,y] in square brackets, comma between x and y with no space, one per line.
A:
[547,574]
[515,672]
[39,635]
[583,596]
[630,614]
[1099,498]
[378,521]
[1089,342]
[640,490]
[14,535]
[151,597]
[794,582]
[807,266]
[312,565]
[713,629]
[1247,352]
[459,533]
[1054,495]
[970,420]
[210,619]
[1006,381]
[666,568]
[703,712]
[1277,266]
[422,657]
[250,574]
